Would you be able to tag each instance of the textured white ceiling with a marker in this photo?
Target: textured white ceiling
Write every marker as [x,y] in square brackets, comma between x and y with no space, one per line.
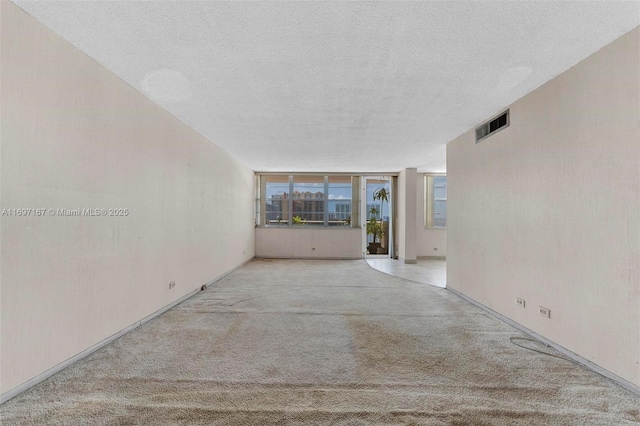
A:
[336,86]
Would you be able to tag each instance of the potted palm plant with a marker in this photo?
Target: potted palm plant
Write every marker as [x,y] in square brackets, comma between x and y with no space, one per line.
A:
[381,194]
[374,228]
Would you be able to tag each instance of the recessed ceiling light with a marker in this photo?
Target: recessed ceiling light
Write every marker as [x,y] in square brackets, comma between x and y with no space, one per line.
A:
[166,85]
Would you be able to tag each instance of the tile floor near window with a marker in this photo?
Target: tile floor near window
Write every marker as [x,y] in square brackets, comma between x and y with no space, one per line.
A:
[432,271]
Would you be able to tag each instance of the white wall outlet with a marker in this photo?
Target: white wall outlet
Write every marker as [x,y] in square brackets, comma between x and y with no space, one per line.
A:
[520,302]
[172,284]
[544,312]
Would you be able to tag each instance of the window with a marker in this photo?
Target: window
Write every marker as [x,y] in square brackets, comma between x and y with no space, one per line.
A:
[277,194]
[435,201]
[339,200]
[310,200]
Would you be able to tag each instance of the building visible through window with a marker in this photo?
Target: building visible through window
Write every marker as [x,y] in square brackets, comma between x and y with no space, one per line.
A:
[312,200]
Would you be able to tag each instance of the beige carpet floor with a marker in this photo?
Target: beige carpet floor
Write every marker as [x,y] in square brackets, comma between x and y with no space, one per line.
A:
[323,342]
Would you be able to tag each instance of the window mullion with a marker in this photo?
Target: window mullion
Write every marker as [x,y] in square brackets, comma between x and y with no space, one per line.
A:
[290,203]
[262,200]
[325,207]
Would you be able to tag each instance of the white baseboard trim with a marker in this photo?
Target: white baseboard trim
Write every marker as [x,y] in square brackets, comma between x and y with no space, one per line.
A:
[64,364]
[572,355]
[307,258]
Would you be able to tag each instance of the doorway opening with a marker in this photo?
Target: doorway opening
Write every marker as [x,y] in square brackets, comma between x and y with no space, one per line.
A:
[377,216]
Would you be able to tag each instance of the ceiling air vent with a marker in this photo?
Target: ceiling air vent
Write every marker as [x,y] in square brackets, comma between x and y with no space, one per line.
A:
[492,126]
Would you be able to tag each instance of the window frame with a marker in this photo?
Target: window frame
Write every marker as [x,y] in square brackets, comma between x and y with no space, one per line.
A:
[293,180]
[429,201]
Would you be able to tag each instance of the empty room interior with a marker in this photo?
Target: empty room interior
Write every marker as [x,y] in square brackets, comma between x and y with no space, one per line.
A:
[319,212]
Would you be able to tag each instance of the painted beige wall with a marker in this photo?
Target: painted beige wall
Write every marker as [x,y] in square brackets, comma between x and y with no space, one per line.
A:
[75,136]
[307,242]
[427,239]
[549,210]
